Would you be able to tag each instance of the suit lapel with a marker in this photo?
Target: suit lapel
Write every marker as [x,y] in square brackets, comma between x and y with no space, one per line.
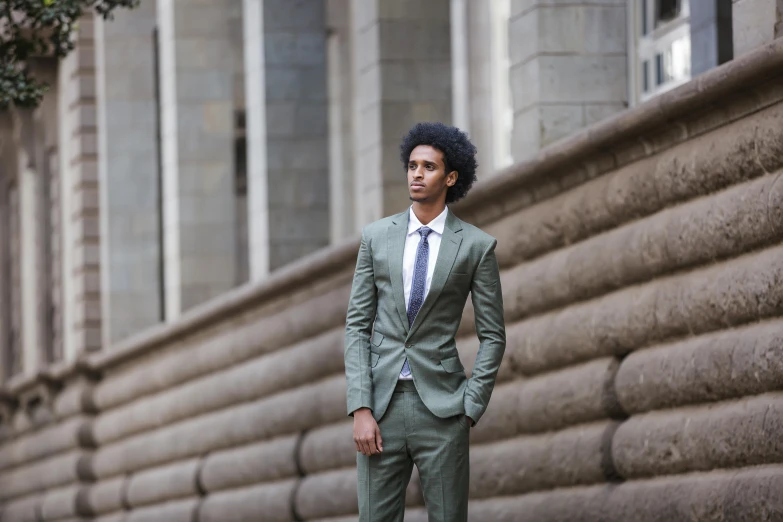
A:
[449,246]
[397,234]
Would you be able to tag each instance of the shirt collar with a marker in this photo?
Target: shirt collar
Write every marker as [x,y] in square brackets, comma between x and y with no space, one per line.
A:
[436,225]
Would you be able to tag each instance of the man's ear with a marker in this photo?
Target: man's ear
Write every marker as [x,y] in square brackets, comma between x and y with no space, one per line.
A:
[451,178]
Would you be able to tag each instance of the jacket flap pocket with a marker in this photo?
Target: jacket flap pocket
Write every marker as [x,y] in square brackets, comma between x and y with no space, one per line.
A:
[377,338]
[452,364]
[374,359]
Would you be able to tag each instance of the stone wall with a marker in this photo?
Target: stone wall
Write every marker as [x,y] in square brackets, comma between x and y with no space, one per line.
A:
[641,263]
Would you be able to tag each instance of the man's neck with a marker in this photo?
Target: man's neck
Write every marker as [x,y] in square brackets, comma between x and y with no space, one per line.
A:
[426,212]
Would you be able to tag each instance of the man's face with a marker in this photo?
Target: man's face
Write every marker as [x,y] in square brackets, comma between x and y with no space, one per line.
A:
[428,180]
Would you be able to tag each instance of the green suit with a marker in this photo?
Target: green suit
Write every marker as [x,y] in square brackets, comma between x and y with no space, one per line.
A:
[377,341]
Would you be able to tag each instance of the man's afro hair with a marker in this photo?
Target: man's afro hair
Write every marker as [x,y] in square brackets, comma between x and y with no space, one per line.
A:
[458,153]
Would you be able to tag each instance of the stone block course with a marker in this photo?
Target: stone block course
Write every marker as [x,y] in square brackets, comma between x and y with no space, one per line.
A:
[573,456]
[700,438]
[734,363]
[237,344]
[705,300]
[107,496]
[49,473]
[743,496]
[165,483]
[58,438]
[175,511]
[66,503]
[262,462]
[278,371]
[262,502]
[551,401]
[315,404]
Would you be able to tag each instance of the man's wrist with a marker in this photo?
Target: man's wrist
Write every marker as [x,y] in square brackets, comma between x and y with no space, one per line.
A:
[362,411]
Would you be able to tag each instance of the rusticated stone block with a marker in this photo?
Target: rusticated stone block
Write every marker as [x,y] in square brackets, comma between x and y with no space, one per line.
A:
[570,457]
[551,401]
[748,495]
[741,150]
[303,363]
[108,495]
[184,361]
[114,517]
[67,435]
[327,448]
[24,509]
[333,494]
[353,518]
[162,484]
[268,502]
[246,465]
[725,365]
[720,226]
[69,502]
[74,399]
[733,292]
[46,474]
[176,511]
[288,412]
[723,435]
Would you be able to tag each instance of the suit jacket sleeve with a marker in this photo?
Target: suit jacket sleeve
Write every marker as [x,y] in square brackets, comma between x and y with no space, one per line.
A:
[358,326]
[487,297]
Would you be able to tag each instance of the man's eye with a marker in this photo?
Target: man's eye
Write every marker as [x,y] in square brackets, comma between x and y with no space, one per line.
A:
[412,166]
[430,167]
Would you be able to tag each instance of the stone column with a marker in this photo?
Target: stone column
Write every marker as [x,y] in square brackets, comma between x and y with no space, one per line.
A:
[10,228]
[4,304]
[755,23]
[197,129]
[5,253]
[29,213]
[483,29]
[128,170]
[287,131]
[568,69]
[47,164]
[30,261]
[402,71]
[79,192]
[339,57]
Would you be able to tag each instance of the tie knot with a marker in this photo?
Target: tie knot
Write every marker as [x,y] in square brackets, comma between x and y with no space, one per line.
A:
[424,232]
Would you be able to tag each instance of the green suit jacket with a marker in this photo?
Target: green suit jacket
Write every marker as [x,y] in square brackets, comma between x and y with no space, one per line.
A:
[377,336]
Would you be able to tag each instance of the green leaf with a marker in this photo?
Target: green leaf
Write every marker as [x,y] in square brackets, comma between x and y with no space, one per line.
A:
[40,27]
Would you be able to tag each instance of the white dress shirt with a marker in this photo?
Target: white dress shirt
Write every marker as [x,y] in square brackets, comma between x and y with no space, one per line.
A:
[409,256]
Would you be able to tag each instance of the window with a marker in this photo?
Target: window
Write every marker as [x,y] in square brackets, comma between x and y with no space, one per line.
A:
[666,11]
[660,50]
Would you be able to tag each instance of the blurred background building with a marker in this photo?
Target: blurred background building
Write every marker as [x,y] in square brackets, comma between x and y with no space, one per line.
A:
[180,185]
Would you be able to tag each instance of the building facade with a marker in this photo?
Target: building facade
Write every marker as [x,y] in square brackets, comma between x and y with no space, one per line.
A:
[186,148]
[178,220]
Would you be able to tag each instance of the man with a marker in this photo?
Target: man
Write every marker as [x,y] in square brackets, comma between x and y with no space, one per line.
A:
[407,391]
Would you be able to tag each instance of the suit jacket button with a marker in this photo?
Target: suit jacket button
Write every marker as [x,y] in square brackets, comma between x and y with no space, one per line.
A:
[407,345]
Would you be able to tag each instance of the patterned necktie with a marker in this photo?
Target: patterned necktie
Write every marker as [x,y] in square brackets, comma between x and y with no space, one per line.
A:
[419,283]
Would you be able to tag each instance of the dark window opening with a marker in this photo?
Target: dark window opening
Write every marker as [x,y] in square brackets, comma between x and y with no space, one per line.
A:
[666,11]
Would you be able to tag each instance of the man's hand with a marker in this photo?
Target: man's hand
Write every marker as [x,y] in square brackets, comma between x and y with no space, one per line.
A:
[366,433]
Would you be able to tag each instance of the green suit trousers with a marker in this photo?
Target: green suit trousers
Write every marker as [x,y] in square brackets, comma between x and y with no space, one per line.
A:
[413,435]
